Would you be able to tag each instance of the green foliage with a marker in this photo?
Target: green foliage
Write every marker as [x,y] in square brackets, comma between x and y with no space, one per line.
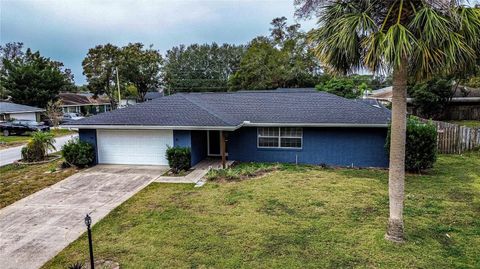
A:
[283,60]
[431,98]
[78,153]
[341,86]
[421,145]
[383,35]
[140,67]
[260,67]
[179,158]
[99,66]
[205,67]
[351,86]
[38,146]
[241,170]
[30,78]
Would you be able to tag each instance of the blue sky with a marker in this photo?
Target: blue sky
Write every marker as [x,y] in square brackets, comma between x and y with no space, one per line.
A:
[65,29]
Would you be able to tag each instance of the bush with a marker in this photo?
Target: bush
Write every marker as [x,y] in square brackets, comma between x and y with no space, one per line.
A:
[33,152]
[421,145]
[78,153]
[179,158]
[38,146]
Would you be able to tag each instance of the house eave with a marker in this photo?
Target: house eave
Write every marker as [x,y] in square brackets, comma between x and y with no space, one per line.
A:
[355,125]
[19,112]
[149,127]
[224,128]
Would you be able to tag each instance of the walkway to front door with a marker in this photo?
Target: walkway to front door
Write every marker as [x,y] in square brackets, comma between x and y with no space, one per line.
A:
[35,229]
[199,171]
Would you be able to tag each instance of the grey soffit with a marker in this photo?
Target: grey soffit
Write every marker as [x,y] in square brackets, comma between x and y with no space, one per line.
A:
[11,108]
[230,109]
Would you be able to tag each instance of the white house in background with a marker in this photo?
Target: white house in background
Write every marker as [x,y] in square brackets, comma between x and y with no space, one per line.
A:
[83,103]
[10,111]
[128,101]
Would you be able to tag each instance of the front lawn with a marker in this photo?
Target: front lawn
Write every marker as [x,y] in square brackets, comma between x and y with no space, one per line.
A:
[18,140]
[295,217]
[468,123]
[19,181]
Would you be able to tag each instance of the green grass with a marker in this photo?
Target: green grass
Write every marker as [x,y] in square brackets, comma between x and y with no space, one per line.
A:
[468,123]
[17,140]
[295,217]
[19,181]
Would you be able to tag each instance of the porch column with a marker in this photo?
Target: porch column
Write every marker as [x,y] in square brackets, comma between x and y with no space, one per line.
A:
[222,149]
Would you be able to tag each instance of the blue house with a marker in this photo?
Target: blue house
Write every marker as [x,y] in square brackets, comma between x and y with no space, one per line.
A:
[284,125]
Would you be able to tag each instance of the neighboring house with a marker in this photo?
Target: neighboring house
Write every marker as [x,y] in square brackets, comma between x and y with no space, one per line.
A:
[128,101]
[153,95]
[84,103]
[131,101]
[10,111]
[464,105]
[284,125]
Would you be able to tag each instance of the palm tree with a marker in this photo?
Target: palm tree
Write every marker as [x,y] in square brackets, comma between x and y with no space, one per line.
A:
[413,39]
[44,140]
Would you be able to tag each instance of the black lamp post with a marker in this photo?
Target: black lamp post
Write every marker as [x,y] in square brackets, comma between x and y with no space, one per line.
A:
[88,222]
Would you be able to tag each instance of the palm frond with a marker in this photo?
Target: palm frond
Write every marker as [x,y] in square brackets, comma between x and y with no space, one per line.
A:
[338,40]
[397,43]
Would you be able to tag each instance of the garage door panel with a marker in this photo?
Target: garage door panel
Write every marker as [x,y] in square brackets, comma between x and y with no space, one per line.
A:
[133,146]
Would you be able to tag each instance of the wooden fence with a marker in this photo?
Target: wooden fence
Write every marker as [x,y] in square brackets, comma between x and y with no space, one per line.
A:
[456,139]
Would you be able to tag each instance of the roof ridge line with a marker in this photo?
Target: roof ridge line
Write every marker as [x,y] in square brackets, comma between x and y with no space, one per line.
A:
[205,109]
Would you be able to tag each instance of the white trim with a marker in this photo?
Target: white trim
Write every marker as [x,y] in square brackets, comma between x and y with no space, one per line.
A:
[224,128]
[151,127]
[279,139]
[101,104]
[19,112]
[313,125]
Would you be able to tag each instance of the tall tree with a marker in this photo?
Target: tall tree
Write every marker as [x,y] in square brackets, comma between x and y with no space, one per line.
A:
[415,38]
[99,66]
[285,59]
[141,67]
[197,67]
[30,78]
[260,68]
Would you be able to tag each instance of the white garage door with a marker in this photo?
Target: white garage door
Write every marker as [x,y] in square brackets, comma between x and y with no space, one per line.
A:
[133,146]
[24,116]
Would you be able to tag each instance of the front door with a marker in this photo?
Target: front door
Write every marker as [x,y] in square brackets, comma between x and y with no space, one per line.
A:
[213,138]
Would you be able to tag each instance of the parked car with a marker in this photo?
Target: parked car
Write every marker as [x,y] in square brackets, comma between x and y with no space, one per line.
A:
[20,127]
[71,116]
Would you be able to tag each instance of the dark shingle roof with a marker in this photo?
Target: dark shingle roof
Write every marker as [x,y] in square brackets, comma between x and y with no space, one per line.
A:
[233,108]
[7,107]
[69,99]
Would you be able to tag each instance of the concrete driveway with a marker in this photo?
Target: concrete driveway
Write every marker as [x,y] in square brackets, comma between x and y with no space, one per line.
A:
[36,228]
[11,155]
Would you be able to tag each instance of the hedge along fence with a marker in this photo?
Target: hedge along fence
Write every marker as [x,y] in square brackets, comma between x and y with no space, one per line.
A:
[455,139]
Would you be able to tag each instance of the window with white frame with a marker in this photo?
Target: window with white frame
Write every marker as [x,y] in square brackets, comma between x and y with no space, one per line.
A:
[279,137]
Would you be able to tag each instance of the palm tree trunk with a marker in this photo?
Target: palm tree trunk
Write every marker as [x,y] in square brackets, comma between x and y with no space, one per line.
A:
[396,177]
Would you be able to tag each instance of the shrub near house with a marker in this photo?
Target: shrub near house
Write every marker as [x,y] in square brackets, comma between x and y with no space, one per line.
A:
[421,145]
[78,153]
[179,158]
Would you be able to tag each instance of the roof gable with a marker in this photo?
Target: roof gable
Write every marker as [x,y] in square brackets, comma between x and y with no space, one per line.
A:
[8,107]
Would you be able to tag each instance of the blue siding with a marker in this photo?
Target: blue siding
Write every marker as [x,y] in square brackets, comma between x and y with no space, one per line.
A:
[195,140]
[181,138]
[199,146]
[89,136]
[362,147]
